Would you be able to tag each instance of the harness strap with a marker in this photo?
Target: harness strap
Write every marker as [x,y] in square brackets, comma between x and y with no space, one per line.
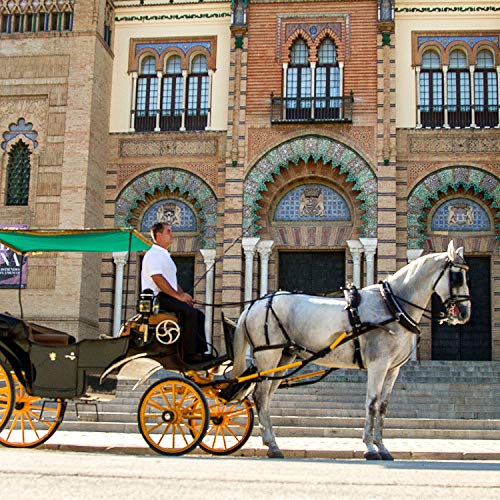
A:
[273,346]
[357,358]
[396,310]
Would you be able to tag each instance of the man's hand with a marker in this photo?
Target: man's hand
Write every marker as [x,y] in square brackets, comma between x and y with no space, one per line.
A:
[185,297]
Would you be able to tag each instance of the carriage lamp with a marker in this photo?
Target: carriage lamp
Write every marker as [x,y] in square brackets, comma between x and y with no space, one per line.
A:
[145,303]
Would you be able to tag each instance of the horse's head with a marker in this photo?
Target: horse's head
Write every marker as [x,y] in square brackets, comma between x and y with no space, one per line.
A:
[452,286]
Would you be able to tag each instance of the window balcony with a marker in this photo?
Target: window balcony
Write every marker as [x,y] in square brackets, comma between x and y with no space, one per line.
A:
[194,119]
[311,109]
[452,116]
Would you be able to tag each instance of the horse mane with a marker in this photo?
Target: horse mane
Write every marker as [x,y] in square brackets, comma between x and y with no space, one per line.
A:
[406,274]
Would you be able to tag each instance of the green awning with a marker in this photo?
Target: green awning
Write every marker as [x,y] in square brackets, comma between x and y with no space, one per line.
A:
[82,240]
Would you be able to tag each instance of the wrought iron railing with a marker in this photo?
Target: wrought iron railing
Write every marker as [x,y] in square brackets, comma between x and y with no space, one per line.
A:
[451,116]
[169,121]
[311,109]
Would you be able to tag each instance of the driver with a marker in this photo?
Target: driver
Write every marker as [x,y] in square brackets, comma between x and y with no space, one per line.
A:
[159,273]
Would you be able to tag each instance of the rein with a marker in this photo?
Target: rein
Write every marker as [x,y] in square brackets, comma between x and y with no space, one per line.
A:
[392,300]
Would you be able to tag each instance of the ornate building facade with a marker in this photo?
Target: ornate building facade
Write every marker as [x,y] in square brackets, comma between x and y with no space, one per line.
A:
[291,145]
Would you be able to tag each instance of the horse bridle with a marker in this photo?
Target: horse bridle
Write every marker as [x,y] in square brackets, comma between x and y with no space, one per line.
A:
[450,304]
[456,280]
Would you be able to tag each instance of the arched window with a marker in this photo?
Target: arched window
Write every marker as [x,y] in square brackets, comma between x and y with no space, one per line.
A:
[18,175]
[327,82]
[147,92]
[298,82]
[172,97]
[458,82]
[197,94]
[485,90]
[431,90]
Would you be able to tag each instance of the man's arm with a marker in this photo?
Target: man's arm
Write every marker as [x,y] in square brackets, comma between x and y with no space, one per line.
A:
[165,287]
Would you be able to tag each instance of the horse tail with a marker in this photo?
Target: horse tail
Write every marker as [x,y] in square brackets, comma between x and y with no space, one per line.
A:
[240,345]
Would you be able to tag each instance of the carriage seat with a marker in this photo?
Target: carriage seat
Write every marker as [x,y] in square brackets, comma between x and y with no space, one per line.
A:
[48,336]
[154,319]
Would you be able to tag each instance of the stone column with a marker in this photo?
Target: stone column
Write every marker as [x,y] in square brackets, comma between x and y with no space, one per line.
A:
[341,77]
[184,100]
[284,105]
[411,255]
[370,246]
[498,92]
[419,111]
[313,87]
[356,249]
[159,76]
[472,97]
[133,103]
[209,260]
[264,248]
[209,112]
[120,259]
[249,245]
[445,94]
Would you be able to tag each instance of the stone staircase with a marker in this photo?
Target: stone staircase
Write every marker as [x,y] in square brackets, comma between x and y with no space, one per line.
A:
[431,399]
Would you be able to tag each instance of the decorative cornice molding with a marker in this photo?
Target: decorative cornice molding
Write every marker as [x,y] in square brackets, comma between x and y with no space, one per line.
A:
[163,17]
[455,8]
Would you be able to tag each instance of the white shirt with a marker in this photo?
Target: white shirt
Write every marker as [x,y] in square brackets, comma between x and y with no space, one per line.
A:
[157,260]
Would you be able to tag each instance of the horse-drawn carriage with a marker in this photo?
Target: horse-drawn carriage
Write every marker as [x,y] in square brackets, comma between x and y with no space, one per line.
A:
[41,368]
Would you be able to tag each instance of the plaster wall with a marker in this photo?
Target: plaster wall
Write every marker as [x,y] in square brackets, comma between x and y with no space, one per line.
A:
[121,97]
[407,22]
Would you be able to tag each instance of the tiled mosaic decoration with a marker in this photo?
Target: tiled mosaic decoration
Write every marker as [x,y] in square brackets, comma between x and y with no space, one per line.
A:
[20,128]
[449,179]
[174,212]
[304,203]
[460,214]
[171,179]
[304,148]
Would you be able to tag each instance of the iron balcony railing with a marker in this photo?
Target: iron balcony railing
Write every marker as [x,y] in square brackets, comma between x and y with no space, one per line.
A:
[450,116]
[311,109]
[169,121]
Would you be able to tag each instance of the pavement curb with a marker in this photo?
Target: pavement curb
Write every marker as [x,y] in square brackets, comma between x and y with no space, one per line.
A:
[289,453]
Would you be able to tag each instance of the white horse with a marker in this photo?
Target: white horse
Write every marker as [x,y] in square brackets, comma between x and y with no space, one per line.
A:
[312,323]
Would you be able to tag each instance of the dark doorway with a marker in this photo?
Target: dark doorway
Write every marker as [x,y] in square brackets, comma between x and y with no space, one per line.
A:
[472,341]
[185,272]
[311,272]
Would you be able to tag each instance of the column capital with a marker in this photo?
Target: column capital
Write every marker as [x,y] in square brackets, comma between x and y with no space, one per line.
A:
[208,255]
[249,245]
[120,258]
[264,247]
[369,244]
[134,75]
[413,253]
[355,246]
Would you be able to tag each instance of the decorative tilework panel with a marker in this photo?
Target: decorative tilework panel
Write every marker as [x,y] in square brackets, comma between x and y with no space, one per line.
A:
[173,212]
[460,215]
[312,202]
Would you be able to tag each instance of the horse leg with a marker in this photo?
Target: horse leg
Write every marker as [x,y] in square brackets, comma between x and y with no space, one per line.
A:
[262,397]
[389,381]
[376,377]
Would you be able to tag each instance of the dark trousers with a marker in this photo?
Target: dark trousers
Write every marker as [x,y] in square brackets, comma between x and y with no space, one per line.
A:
[192,322]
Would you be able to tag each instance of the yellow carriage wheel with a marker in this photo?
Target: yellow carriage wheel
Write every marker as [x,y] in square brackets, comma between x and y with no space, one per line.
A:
[173,416]
[230,424]
[33,419]
[6,394]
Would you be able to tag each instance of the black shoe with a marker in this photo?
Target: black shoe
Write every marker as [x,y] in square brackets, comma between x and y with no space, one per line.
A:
[199,357]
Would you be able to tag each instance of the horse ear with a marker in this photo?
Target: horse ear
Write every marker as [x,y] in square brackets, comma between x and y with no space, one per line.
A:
[460,252]
[451,250]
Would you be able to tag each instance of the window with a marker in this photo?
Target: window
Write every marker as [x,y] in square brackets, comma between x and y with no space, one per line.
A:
[18,175]
[485,90]
[327,82]
[458,82]
[431,90]
[147,91]
[197,96]
[172,100]
[42,21]
[66,21]
[298,84]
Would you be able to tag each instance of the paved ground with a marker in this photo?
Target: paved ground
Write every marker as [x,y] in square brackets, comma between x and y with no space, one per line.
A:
[334,448]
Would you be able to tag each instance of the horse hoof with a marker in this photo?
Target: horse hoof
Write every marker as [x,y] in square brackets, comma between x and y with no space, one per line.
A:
[372,455]
[385,455]
[275,454]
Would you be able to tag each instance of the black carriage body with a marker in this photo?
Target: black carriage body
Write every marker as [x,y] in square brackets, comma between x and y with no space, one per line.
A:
[71,371]
[58,367]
